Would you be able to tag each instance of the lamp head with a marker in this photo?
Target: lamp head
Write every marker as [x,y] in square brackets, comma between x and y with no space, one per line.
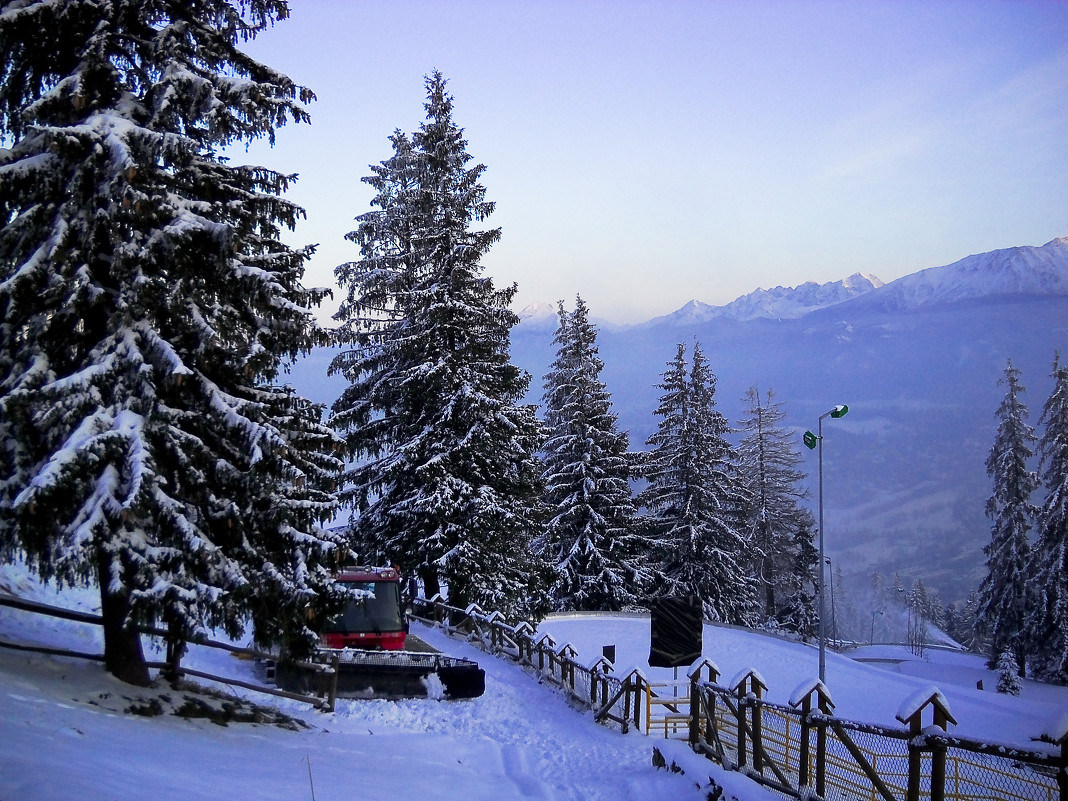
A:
[839,411]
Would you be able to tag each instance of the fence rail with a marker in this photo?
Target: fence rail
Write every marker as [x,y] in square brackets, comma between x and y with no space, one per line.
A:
[173,668]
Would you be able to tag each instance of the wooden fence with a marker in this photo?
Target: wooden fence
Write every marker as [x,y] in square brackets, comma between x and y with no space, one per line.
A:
[800,751]
[172,667]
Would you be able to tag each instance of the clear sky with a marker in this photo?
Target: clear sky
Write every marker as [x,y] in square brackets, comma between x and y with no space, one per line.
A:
[643,154]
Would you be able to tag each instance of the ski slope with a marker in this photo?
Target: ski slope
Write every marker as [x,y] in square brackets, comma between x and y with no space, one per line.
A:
[64,733]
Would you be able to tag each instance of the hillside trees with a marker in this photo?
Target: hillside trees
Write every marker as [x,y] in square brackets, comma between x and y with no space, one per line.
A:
[146,306]
[768,468]
[446,483]
[1004,591]
[1047,624]
[590,533]
[694,498]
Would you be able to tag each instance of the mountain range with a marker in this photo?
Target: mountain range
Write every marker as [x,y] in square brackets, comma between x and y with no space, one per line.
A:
[917,360]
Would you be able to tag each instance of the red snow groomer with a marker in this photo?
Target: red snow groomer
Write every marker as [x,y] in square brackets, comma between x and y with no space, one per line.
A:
[373,622]
[367,642]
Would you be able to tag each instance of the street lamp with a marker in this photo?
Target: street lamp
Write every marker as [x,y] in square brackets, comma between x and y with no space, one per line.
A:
[871,639]
[834,617]
[812,440]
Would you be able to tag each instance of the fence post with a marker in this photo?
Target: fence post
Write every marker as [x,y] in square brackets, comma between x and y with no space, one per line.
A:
[1062,771]
[751,683]
[524,640]
[911,713]
[739,690]
[696,698]
[439,610]
[599,671]
[175,649]
[331,700]
[545,643]
[825,706]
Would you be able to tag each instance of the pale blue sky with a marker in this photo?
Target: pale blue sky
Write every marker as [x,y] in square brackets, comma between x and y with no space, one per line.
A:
[644,154]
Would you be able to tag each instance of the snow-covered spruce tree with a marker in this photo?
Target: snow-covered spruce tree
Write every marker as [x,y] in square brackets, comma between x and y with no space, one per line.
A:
[694,498]
[1047,624]
[1008,674]
[447,483]
[797,612]
[1004,592]
[768,462]
[590,536]
[146,305]
[374,319]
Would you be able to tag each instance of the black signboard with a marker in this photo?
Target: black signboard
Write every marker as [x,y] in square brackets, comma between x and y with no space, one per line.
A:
[675,632]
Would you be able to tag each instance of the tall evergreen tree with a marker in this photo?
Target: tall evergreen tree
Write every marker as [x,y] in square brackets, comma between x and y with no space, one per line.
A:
[797,613]
[590,535]
[146,306]
[694,496]
[768,466]
[447,483]
[1004,591]
[1048,623]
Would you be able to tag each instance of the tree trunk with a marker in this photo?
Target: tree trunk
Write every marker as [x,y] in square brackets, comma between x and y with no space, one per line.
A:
[431,585]
[123,656]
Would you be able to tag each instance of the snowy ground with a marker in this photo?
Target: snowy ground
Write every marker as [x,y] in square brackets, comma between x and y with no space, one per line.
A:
[64,734]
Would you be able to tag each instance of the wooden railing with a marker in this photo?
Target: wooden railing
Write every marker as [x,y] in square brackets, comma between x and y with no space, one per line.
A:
[327,674]
[801,750]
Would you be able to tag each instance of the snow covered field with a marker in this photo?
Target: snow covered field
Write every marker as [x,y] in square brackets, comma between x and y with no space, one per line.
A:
[63,733]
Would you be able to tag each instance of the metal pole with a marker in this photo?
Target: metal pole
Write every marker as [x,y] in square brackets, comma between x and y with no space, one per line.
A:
[822,633]
[830,584]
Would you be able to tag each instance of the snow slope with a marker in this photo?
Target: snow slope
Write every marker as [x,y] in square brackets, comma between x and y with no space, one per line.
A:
[520,740]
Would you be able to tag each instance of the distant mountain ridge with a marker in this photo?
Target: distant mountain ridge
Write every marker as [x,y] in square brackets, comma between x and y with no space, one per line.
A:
[1023,270]
[780,303]
[1017,271]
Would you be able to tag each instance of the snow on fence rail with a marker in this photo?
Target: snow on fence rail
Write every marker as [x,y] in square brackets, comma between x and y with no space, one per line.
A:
[801,750]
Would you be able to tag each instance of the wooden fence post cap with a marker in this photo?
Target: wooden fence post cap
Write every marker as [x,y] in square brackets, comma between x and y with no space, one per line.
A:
[805,689]
[912,707]
[522,627]
[566,650]
[702,663]
[750,677]
[601,663]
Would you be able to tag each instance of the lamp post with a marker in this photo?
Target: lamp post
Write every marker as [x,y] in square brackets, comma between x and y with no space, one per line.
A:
[871,639]
[834,617]
[813,440]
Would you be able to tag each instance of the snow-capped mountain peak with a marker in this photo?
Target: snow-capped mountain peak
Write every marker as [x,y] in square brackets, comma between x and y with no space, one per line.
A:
[1022,270]
[539,316]
[780,303]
